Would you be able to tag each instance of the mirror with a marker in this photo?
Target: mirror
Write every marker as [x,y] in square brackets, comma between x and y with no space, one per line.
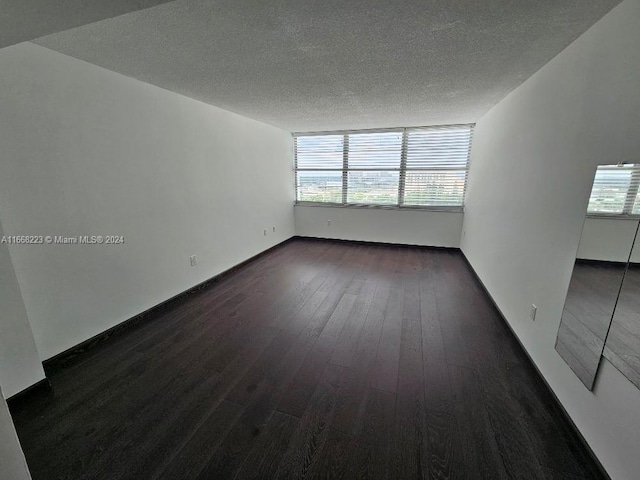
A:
[587,314]
[599,271]
[622,347]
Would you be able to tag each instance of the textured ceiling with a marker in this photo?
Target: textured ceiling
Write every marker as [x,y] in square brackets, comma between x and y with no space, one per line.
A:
[320,65]
[22,20]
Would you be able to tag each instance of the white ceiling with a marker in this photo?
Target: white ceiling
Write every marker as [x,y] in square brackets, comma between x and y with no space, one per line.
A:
[322,65]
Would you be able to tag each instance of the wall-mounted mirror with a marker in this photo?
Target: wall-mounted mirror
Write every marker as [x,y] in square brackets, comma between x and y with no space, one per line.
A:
[600,268]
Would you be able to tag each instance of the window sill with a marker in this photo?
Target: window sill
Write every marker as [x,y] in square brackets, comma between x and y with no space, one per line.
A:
[358,206]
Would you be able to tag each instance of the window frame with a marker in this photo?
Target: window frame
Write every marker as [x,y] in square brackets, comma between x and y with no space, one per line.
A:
[402,170]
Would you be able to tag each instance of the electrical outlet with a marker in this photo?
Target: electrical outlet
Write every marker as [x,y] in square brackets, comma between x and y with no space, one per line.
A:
[329,222]
[274,229]
[532,313]
[193,260]
[265,232]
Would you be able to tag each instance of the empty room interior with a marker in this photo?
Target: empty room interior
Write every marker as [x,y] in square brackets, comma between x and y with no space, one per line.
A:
[297,239]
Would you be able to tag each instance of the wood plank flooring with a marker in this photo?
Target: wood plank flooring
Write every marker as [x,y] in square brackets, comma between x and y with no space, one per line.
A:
[320,359]
[623,343]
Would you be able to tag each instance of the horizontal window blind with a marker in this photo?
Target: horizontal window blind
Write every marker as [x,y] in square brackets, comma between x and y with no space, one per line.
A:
[436,148]
[319,152]
[414,167]
[373,187]
[373,168]
[319,162]
[380,151]
[437,165]
[615,190]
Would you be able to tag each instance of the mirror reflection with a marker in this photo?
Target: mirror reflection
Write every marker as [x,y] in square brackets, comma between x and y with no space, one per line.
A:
[587,314]
[599,270]
[622,347]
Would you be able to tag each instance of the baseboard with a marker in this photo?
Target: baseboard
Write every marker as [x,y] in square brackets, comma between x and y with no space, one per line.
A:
[573,428]
[63,359]
[41,387]
[389,244]
[604,263]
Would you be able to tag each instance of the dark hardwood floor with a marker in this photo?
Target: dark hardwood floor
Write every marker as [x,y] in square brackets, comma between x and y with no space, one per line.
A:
[623,342]
[318,360]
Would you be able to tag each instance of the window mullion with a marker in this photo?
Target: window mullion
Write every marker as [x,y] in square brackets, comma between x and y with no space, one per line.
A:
[403,168]
[345,167]
[295,168]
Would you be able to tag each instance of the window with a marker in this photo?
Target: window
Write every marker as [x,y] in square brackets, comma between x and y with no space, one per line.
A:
[373,169]
[615,190]
[319,178]
[405,167]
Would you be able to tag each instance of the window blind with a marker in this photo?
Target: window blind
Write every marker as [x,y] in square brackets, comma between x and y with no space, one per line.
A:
[319,162]
[373,168]
[406,167]
[437,165]
[615,190]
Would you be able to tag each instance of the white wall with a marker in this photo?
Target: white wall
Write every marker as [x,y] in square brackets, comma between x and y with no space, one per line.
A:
[608,239]
[413,227]
[86,151]
[12,463]
[20,365]
[533,160]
